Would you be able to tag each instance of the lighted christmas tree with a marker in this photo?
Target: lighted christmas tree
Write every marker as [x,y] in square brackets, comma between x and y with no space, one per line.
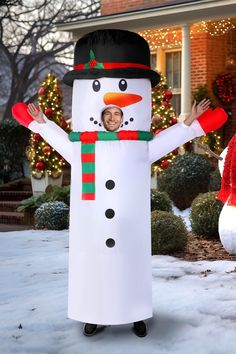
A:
[163,110]
[43,158]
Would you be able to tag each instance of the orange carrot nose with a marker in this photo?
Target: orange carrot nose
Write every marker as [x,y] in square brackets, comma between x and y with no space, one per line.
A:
[121,99]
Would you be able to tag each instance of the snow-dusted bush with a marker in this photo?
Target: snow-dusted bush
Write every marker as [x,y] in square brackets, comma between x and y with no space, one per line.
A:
[186,177]
[169,233]
[52,216]
[160,201]
[204,215]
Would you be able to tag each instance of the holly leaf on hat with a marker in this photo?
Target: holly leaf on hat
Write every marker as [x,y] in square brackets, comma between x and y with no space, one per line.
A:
[91,55]
[93,63]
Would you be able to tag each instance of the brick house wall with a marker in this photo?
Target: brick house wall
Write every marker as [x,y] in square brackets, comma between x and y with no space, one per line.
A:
[109,7]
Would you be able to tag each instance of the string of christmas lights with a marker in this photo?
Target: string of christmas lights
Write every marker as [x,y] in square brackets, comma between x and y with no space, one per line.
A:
[172,37]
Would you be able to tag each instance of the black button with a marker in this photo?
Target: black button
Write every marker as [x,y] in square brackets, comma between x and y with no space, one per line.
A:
[110,213]
[110,242]
[110,184]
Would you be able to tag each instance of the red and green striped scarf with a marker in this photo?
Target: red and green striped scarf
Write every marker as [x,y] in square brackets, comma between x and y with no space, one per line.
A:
[88,140]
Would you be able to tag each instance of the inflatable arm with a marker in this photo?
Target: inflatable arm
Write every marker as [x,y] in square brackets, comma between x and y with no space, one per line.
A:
[179,134]
[171,138]
[50,131]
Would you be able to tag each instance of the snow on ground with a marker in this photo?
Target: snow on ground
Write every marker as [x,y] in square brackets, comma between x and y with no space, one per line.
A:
[194,304]
[184,215]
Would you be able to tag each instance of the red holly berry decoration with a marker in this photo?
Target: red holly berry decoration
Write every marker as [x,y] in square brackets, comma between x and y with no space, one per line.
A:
[63,124]
[39,165]
[173,120]
[92,63]
[37,137]
[47,149]
[164,164]
[48,112]
[41,91]
[168,95]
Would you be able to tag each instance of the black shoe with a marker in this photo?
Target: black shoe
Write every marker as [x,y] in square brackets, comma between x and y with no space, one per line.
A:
[90,329]
[140,329]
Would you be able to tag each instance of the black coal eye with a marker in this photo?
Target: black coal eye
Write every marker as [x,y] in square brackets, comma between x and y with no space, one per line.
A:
[96,85]
[123,85]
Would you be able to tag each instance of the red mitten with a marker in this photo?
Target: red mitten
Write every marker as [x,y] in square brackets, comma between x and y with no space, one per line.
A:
[19,112]
[212,120]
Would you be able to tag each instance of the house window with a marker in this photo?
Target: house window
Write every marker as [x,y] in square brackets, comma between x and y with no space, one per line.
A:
[153,61]
[168,62]
[173,76]
[173,69]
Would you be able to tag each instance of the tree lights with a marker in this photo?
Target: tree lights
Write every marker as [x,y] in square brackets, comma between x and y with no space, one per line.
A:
[164,117]
[43,158]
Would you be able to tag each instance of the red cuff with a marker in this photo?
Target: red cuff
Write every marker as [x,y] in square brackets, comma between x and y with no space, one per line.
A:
[212,120]
[19,112]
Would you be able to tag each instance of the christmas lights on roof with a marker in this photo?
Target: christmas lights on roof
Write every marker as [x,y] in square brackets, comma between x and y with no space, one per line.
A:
[172,37]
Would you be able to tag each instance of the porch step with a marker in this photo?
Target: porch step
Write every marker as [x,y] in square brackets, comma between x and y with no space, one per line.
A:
[9,205]
[10,196]
[11,217]
[14,227]
[22,184]
[14,195]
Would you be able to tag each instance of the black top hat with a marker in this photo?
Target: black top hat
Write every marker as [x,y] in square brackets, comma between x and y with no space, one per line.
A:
[111,53]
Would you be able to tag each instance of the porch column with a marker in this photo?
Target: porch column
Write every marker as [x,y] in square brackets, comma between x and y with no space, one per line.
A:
[185,73]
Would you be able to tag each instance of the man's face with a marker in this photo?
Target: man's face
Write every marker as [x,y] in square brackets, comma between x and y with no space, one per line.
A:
[112,118]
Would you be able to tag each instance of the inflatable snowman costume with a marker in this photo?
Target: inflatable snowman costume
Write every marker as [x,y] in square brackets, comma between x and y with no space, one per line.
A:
[110,274]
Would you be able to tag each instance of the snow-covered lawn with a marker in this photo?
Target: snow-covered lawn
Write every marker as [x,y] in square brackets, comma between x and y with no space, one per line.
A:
[194,304]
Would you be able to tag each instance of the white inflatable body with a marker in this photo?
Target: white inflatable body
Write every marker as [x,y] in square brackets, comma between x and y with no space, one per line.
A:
[112,285]
[227,219]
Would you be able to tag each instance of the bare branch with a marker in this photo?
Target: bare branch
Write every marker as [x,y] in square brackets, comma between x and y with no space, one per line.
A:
[30,45]
[206,148]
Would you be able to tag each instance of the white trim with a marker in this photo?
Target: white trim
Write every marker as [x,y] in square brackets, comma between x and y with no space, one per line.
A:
[172,15]
[185,73]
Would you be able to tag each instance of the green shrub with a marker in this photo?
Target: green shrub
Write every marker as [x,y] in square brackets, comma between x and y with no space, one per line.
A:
[204,215]
[169,233]
[30,204]
[54,193]
[215,180]
[52,216]
[186,177]
[61,194]
[160,201]
[13,141]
